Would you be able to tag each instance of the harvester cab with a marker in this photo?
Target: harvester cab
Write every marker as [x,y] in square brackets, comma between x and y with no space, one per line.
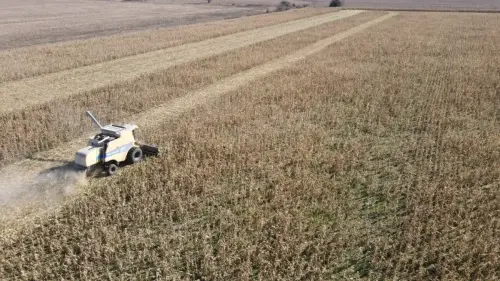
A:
[114,145]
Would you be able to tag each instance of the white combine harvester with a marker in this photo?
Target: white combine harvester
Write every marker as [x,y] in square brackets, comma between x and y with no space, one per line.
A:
[114,145]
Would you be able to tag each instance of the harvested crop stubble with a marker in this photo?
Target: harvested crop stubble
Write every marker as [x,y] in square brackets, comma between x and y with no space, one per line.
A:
[387,171]
[31,61]
[41,89]
[53,123]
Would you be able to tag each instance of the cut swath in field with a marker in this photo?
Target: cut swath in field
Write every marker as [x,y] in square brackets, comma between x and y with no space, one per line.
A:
[24,93]
[53,123]
[32,61]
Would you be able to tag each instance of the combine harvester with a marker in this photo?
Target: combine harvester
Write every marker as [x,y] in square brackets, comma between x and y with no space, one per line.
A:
[113,146]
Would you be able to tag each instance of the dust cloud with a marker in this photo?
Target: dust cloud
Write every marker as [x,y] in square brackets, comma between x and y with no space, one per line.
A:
[21,194]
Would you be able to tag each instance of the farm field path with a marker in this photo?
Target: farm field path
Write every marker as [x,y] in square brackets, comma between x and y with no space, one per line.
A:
[46,176]
[27,92]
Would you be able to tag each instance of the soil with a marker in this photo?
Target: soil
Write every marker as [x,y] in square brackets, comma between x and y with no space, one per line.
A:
[32,22]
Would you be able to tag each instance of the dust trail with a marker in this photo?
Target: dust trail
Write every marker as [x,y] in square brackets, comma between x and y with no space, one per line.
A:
[21,193]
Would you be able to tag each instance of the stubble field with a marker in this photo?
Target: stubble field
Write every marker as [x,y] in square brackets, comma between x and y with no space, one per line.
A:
[363,147]
[426,5]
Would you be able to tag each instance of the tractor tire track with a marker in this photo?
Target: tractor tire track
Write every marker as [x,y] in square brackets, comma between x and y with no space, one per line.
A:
[19,94]
[59,160]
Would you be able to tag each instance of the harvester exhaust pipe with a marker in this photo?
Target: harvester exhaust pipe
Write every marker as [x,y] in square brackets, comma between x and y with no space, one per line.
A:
[94,119]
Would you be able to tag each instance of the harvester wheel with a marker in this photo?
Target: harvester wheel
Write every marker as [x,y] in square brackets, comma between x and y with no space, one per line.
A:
[111,169]
[134,155]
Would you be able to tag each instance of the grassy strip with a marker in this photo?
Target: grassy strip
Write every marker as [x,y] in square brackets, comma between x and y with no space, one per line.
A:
[377,162]
[51,124]
[31,61]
